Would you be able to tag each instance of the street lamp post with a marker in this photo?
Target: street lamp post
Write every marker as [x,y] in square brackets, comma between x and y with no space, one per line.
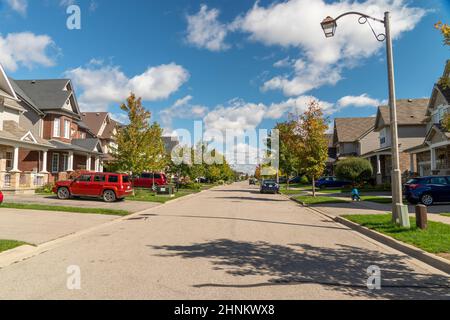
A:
[329,25]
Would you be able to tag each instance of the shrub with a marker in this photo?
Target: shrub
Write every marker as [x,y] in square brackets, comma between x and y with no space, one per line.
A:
[304,180]
[191,186]
[47,189]
[354,169]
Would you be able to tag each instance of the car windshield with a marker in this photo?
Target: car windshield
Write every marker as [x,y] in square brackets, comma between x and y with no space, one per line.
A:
[413,181]
[125,179]
[270,182]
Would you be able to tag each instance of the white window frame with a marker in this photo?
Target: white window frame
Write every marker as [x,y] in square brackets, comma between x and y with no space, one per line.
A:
[65,158]
[9,157]
[57,127]
[66,129]
[53,163]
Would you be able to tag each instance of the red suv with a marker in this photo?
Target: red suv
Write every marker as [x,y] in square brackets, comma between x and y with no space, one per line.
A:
[109,186]
[148,180]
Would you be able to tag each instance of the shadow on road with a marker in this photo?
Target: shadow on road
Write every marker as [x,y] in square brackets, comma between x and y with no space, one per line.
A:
[252,220]
[252,199]
[340,269]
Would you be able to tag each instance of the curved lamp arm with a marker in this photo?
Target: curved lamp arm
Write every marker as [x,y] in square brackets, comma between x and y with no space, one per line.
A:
[363,19]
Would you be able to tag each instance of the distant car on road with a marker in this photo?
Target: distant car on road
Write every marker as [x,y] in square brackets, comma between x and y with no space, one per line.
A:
[108,186]
[148,180]
[332,182]
[269,186]
[428,190]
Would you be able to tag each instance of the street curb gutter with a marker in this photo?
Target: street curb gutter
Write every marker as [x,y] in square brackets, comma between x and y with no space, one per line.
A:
[428,258]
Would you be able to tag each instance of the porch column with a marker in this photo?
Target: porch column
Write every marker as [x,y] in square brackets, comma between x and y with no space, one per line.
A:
[412,167]
[97,164]
[16,160]
[100,169]
[433,160]
[70,162]
[379,175]
[88,162]
[44,162]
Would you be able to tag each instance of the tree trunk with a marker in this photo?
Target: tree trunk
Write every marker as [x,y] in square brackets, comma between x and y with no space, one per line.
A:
[287,187]
[314,186]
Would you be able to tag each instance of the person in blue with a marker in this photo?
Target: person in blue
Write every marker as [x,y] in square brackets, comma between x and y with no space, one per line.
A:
[355,194]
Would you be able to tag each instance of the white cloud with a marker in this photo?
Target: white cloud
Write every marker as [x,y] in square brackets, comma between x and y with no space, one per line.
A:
[182,109]
[296,24]
[358,101]
[205,31]
[18,5]
[104,84]
[27,49]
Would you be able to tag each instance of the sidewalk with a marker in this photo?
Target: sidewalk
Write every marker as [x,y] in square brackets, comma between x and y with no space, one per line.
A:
[366,207]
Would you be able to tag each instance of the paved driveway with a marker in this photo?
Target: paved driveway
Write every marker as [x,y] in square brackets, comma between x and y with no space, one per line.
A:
[131,206]
[226,243]
[37,227]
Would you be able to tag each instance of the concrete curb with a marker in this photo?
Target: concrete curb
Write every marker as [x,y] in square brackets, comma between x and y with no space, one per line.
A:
[414,252]
[25,252]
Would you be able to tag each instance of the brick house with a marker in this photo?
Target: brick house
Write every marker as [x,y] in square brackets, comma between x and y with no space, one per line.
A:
[103,127]
[432,156]
[411,116]
[74,147]
[22,146]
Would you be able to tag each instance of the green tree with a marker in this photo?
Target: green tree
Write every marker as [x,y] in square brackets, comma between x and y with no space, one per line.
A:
[140,146]
[312,149]
[354,169]
[289,143]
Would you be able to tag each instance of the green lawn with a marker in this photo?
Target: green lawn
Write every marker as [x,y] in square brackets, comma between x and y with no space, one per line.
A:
[291,192]
[9,244]
[319,200]
[435,239]
[64,209]
[376,199]
[149,196]
[445,214]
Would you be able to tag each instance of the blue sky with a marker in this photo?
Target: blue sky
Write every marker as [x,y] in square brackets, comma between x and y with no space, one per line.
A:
[231,63]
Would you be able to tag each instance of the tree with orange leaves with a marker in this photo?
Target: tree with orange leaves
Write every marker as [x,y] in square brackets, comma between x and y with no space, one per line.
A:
[311,129]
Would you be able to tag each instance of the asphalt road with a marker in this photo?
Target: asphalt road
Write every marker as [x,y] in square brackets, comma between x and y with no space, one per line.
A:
[226,243]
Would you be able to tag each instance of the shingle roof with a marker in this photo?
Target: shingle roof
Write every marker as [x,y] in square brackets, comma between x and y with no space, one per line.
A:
[108,133]
[409,112]
[82,145]
[351,129]
[12,131]
[45,94]
[94,120]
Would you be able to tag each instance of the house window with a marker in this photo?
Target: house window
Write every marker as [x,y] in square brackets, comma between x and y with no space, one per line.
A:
[57,127]
[383,140]
[65,159]
[9,161]
[66,129]
[55,163]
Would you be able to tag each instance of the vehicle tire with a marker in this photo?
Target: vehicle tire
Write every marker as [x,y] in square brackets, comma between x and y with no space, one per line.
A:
[109,196]
[427,199]
[63,193]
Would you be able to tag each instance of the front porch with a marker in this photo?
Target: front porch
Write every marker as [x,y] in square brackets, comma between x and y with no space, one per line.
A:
[63,164]
[21,170]
[431,160]
[382,165]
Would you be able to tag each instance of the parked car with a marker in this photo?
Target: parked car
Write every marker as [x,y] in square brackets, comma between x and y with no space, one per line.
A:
[148,180]
[1,197]
[428,190]
[332,182]
[269,186]
[109,186]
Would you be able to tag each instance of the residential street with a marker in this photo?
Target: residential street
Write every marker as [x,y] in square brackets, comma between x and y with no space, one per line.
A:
[226,243]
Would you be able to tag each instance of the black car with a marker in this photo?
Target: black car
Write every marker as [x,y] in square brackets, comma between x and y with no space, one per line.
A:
[428,190]
[269,186]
